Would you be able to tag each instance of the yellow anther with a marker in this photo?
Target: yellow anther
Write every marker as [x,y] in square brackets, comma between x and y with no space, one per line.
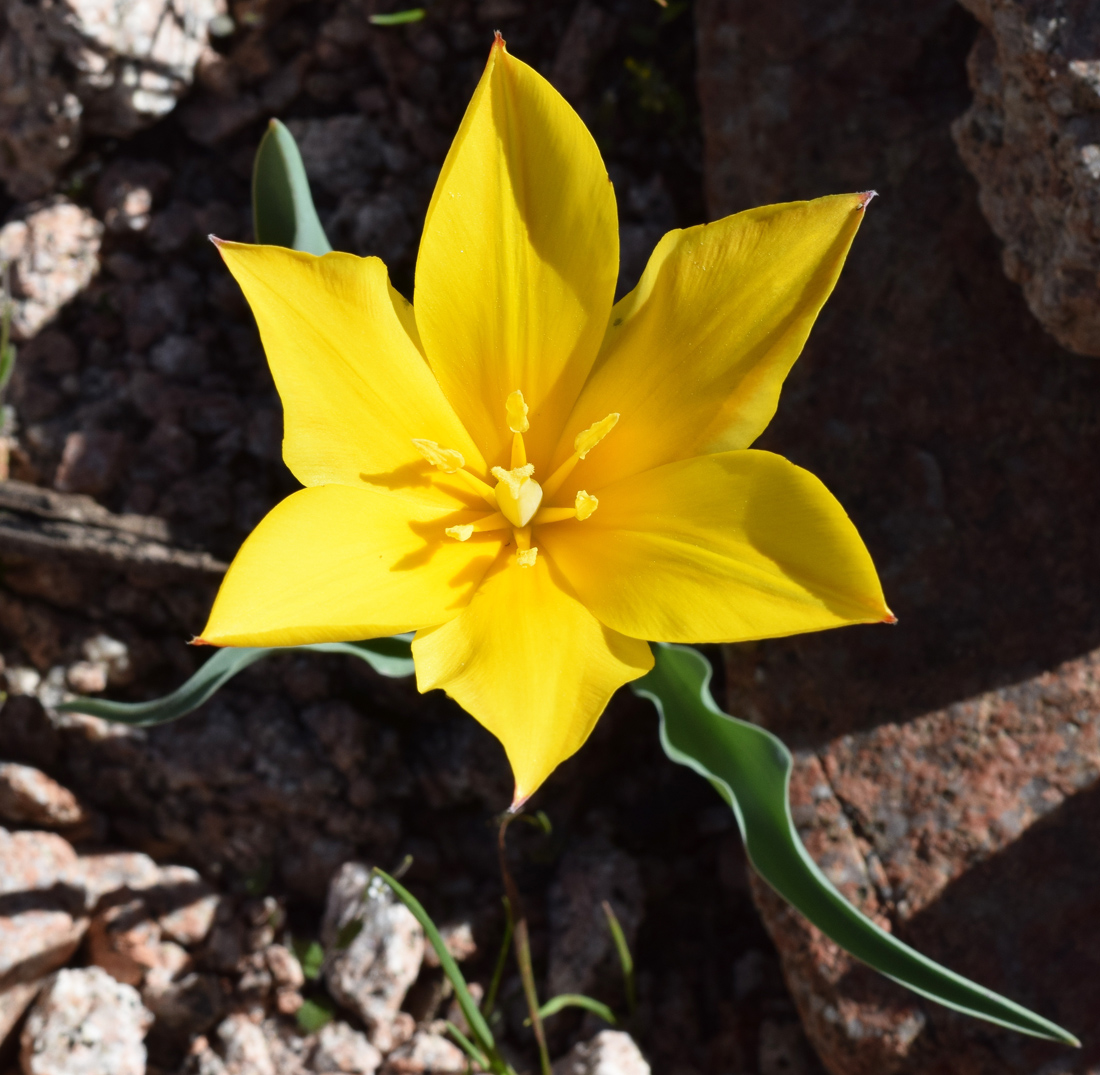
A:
[585,504]
[446,459]
[527,557]
[516,410]
[460,533]
[592,436]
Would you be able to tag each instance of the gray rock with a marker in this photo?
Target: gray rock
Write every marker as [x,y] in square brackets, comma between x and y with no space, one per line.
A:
[85,1023]
[1032,140]
[376,947]
[340,1048]
[610,1052]
[426,1054]
[245,1047]
[54,253]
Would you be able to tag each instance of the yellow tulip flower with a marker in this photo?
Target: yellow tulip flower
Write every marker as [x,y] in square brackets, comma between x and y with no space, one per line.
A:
[532,479]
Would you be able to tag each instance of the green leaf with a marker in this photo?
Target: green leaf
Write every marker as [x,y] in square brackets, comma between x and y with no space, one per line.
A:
[750,768]
[626,960]
[282,206]
[314,1014]
[312,958]
[575,1000]
[398,18]
[388,656]
[478,1027]
[468,1046]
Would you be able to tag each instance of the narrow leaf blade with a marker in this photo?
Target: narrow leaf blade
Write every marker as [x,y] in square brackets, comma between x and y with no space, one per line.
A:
[474,1018]
[750,768]
[283,213]
[576,1000]
[391,657]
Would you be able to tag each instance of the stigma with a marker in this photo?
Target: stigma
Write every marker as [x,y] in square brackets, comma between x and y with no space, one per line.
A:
[517,499]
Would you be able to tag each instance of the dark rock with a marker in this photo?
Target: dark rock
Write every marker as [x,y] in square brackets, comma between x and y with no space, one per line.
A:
[1032,140]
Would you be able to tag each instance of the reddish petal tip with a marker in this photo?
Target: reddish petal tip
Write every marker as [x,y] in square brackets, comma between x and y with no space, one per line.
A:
[866,198]
[196,641]
[498,40]
[519,801]
[889,618]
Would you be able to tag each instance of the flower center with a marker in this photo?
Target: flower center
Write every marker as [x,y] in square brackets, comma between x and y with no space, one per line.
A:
[517,498]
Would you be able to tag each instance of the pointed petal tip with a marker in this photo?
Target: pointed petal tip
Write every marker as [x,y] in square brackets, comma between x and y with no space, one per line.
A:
[865,198]
[199,641]
[889,618]
[499,42]
[519,800]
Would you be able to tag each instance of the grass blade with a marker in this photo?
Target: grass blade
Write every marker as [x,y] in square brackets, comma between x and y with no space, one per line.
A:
[468,1047]
[750,768]
[474,1018]
[626,960]
[576,1000]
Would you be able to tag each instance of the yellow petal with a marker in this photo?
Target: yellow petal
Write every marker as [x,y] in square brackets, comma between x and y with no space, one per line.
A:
[517,264]
[696,354]
[531,663]
[720,548]
[355,388]
[333,564]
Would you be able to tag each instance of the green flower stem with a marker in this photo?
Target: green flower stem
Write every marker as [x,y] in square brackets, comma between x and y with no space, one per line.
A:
[522,942]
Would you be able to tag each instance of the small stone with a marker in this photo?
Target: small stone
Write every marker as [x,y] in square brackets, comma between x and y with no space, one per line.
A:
[430,1054]
[340,1048]
[284,966]
[30,797]
[610,1052]
[458,939]
[101,649]
[190,924]
[34,861]
[87,677]
[90,461]
[104,874]
[126,192]
[245,1047]
[85,1023]
[382,953]
[54,253]
[125,940]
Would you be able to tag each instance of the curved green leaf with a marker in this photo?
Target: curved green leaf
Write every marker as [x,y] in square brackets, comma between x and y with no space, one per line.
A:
[283,213]
[575,1000]
[387,656]
[750,768]
[474,1019]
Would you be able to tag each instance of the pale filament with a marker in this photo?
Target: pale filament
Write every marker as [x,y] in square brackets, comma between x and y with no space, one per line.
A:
[517,497]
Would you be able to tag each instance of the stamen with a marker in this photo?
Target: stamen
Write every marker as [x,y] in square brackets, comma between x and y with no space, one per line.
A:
[592,436]
[462,532]
[447,459]
[585,504]
[553,515]
[452,462]
[519,452]
[516,411]
[526,554]
[583,444]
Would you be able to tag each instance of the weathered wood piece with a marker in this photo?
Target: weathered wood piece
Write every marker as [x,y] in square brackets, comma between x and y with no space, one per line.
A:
[47,525]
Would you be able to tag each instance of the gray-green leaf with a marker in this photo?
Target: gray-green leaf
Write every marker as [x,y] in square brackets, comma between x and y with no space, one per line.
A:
[750,768]
[283,213]
[388,656]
